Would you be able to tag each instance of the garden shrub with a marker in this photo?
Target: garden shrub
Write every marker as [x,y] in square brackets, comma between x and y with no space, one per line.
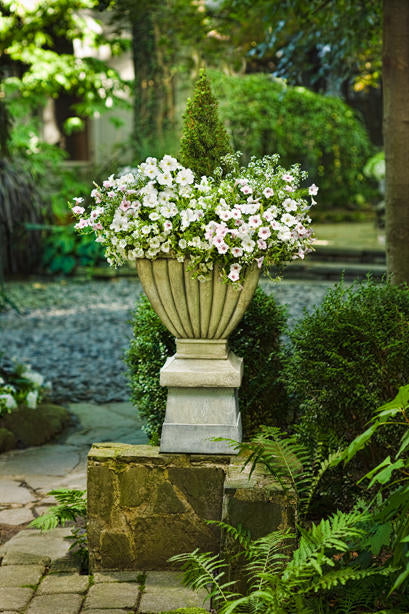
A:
[348,357]
[256,339]
[265,116]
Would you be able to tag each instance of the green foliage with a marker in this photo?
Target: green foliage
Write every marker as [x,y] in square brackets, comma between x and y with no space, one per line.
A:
[265,116]
[72,508]
[305,39]
[65,250]
[391,477]
[204,140]
[349,356]
[284,576]
[292,464]
[256,339]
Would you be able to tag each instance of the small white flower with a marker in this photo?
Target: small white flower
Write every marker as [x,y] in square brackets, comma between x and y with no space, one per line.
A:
[254,221]
[32,399]
[268,192]
[288,219]
[246,189]
[237,252]
[264,232]
[78,210]
[8,400]
[248,244]
[168,163]
[287,177]
[313,190]
[290,205]
[185,177]
[36,378]
[182,244]
[164,178]
[234,275]
[154,216]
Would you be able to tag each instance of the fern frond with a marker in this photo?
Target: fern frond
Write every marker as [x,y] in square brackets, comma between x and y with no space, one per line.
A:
[336,577]
[268,555]
[332,533]
[239,534]
[205,571]
[73,505]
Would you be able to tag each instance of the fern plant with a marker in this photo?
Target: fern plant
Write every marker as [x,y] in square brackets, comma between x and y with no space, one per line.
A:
[285,577]
[72,508]
[290,463]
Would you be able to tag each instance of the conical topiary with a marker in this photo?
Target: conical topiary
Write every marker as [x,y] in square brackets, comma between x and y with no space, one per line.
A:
[204,140]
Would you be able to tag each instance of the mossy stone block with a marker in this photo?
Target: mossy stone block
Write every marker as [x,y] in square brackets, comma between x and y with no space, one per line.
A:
[202,487]
[116,550]
[136,484]
[167,501]
[100,493]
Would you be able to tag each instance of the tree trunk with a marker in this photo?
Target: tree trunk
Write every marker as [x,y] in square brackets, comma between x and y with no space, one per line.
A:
[396,136]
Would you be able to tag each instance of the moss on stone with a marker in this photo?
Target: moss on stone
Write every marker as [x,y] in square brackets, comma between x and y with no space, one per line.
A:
[7,440]
[33,427]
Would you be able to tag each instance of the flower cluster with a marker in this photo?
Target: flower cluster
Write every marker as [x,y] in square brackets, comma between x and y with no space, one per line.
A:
[254,214]
[21,385]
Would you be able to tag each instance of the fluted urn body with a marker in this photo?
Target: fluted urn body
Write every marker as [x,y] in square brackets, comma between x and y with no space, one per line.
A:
[203,376]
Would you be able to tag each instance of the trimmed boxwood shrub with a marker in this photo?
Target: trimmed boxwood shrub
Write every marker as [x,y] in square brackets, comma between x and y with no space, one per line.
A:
[257,339]
[348,358]
[324,134]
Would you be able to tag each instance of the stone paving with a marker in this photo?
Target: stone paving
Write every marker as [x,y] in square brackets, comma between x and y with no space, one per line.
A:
[28,475]
[39,584]
[37,575]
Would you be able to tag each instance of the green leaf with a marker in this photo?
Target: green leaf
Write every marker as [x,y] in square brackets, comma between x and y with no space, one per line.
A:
[383,472]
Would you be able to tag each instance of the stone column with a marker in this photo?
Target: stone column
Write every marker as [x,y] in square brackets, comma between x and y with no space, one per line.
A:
[203,378]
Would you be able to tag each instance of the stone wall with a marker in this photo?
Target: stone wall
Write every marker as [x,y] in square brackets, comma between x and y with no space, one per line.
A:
[144,507]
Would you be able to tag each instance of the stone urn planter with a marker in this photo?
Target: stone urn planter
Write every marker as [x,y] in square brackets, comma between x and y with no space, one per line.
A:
[203,376]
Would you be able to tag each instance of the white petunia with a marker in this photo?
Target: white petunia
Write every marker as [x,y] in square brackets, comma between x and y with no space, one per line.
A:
[255,221]
[290,204]
[264,232]
[288,219]
[268,192]
[185,177]
[248,244]
[237,252]
[168,163]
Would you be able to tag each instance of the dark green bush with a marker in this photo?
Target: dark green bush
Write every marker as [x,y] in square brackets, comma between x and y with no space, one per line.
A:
[256,339]
[349,357]
[265,116]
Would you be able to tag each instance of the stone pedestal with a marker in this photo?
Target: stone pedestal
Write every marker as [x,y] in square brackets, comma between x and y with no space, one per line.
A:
[203,378]
[145,506]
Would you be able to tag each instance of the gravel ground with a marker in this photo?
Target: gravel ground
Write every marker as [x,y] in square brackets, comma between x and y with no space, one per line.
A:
[75,332]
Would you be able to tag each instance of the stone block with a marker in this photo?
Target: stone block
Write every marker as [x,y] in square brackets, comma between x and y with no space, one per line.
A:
[116,550]
[13,598]
[20,575]
[118,576]
[55,604]
[112,595]
[164,591]
[63,583]
[23,558]
[100,492]
[160,505]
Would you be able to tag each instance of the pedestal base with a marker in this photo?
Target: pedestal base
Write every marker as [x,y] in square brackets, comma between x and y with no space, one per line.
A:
[202,401]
